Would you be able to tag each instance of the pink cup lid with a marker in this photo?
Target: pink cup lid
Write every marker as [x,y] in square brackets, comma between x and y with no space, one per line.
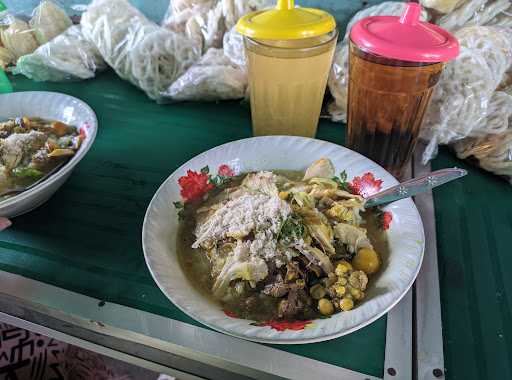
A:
[405,38]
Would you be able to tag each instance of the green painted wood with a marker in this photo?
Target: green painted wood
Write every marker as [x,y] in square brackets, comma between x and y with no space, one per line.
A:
[87,238]
[5,85]
[474,227]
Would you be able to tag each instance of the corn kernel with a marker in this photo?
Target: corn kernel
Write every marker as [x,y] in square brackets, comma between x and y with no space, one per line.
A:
[325,306]
[342,268]
[340,290]
[356,293]
[346,304]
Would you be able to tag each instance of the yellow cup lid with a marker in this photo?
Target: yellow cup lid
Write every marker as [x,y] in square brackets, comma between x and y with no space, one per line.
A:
[285,22]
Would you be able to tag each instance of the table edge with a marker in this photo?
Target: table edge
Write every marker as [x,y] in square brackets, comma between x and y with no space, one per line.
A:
[154,338]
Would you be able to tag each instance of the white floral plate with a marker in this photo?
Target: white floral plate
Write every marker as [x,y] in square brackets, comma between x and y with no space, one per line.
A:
[406,240]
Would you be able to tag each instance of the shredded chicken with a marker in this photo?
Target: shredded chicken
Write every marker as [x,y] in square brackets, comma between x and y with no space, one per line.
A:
[238,217]
[240,265]
[354,237]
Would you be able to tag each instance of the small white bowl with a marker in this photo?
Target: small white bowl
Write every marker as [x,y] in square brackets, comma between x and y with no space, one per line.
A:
[47,105]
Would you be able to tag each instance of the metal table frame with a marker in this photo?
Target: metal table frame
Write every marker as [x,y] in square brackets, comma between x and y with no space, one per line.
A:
[414,345]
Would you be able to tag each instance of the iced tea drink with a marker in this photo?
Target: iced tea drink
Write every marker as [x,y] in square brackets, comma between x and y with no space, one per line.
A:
[394,64]
[387,101]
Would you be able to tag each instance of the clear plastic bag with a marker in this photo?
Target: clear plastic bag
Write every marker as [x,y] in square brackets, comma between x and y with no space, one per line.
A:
[145,54]
[457,18]
[504,18]
[442,6]
[338,84]
[464,102]
[48,21]
[214,77]
[338,77]
[200,20]
[234,48]
[472,13]
[488,14]
[17,38]
[23,33]
[206,21]
[179,6]
[67,57]
[7,57]
[492,152]
[221,73]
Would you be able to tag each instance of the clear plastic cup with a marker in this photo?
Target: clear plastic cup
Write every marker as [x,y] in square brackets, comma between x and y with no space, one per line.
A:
[287,80]
[387,101]
[394,64]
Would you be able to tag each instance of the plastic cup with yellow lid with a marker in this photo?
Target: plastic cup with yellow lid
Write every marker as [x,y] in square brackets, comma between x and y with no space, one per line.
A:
[289,53]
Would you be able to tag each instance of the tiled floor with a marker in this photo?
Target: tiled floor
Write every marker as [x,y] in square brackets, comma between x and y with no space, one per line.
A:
[28,356]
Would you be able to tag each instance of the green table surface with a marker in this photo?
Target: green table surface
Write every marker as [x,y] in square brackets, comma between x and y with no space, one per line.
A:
[474,230]
[87,238]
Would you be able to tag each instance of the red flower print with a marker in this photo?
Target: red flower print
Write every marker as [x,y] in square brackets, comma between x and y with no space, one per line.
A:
[194,185]
[365,185]
[230,314]
[387,217]
[276,325]
[225,171]
[285,325]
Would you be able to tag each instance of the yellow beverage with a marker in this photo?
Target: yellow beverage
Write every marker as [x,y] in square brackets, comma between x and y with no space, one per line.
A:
[287,81]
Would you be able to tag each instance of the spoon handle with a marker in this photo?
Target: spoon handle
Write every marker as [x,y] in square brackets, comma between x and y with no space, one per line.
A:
[415,186]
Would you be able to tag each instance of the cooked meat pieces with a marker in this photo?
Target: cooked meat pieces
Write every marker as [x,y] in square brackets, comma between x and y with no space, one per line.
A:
[277,289]
[290,306]
[293,271]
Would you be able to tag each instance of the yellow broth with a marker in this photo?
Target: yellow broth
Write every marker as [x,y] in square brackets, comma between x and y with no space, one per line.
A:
[10,182]
[197,267]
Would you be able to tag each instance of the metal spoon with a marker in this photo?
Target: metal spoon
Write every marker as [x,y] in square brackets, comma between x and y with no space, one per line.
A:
[21,189]
[415,186]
